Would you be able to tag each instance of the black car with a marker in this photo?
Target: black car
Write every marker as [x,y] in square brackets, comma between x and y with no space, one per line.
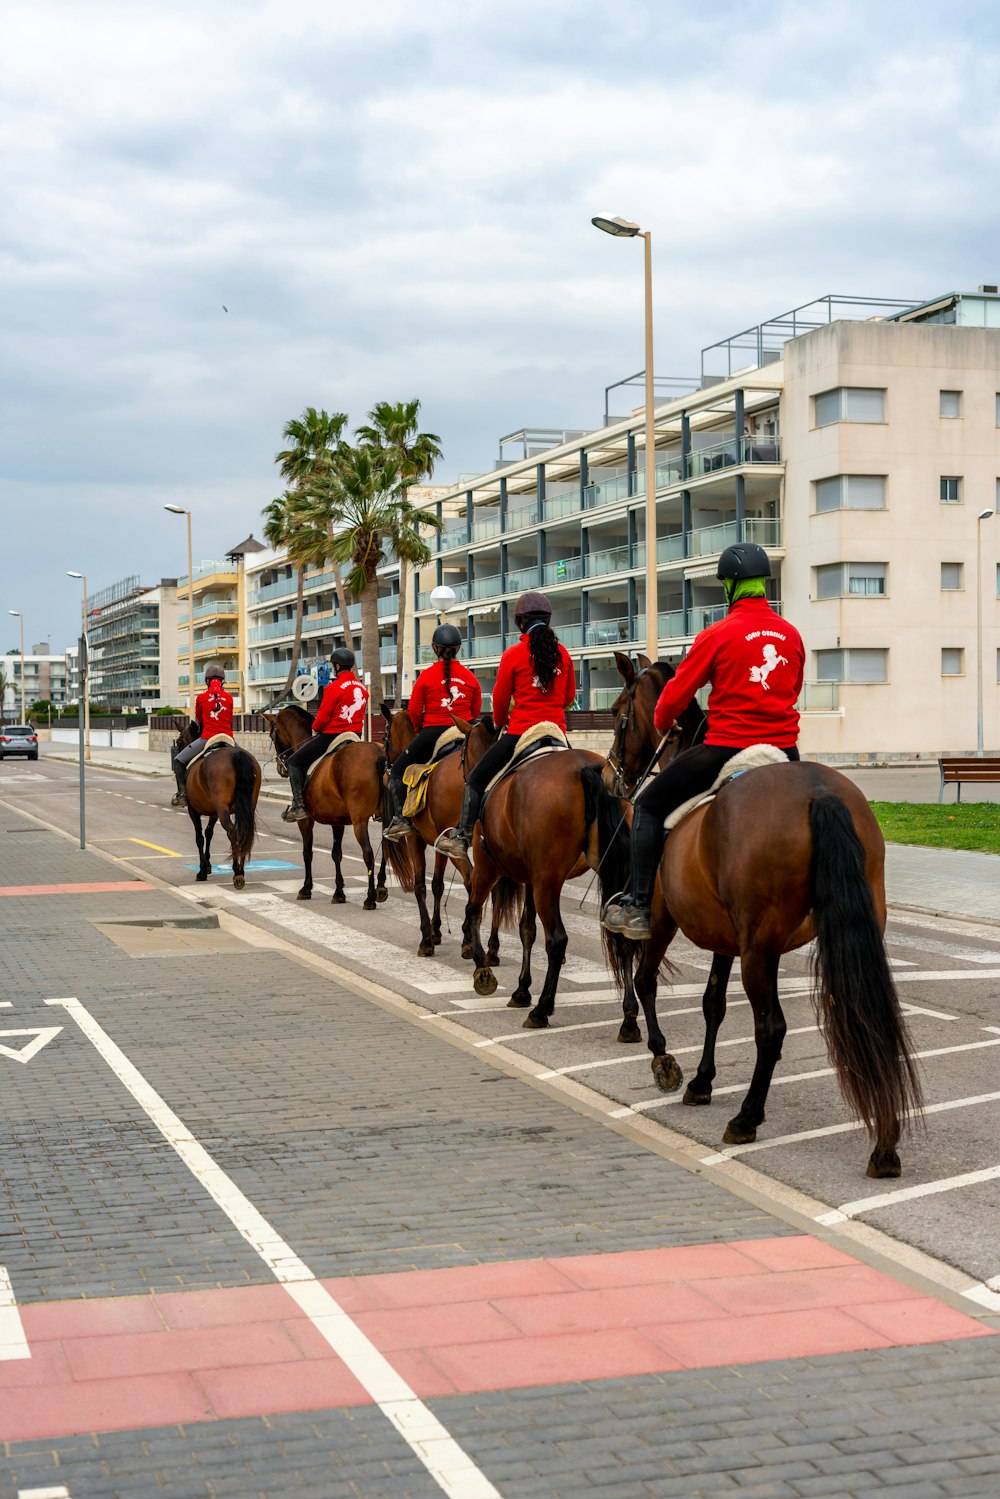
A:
[18,739]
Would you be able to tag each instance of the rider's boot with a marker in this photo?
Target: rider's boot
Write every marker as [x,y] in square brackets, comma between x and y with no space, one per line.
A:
[179,799]
[400,825]
[297,811]
[455,841]
[628,914]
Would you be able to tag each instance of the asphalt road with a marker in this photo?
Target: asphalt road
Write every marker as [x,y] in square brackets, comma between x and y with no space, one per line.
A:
[948,974]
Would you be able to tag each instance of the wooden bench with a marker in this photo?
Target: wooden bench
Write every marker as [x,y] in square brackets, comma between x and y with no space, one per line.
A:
[958,768]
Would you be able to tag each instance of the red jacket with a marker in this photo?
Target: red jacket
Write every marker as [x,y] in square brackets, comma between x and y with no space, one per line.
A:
[516,675]
[213,709]
[342,707]
[755,661]
[432,705]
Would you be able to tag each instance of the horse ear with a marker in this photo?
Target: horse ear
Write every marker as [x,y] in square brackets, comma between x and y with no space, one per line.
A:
[625,668]
[461,725]
[644,661]
[269,717]
[387,711]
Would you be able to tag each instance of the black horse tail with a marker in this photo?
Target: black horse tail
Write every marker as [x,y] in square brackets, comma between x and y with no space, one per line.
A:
[600,807]
[507,897]
[397,854]
[855,996]
[243,814]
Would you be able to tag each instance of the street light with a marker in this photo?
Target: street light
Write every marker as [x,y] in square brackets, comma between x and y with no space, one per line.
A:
[442,598]
[84,665]
[179,510]
[18,615]
[624,229]
[983,515]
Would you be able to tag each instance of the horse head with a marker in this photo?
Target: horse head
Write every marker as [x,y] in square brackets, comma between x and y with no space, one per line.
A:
[478,738]
[287,729]
[636,738]
[399,730]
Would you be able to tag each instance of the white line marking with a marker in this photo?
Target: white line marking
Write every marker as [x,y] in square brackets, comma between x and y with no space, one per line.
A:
[678,1051]
[13,1343]
[25,1053]
[984,1297]
[55,1491]
[907,1194]
[6,1004]
[909,1009]
[948,949]
[965,929]
[450,1467]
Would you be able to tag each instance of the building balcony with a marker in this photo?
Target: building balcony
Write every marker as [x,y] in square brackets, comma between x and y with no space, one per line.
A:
[210,645]
[207,570]
[387,654]
[222,607]
[388,606]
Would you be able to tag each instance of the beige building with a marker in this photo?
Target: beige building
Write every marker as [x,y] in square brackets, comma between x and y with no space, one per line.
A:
[132,636]
[218,616]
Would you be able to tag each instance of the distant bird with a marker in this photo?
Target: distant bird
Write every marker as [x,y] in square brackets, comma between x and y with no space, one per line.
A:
[224,307]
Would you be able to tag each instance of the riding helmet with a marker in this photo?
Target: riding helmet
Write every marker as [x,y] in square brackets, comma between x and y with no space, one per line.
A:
[215,672]
[532,606]
[745,559]
[446,635]
[342,659]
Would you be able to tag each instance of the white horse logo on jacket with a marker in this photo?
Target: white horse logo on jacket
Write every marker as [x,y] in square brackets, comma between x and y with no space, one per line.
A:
[771,660]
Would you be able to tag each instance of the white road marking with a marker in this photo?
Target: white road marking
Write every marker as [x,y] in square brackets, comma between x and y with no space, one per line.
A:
[678,1051]
[909,1009]
[450,1467]
[13,1343]
[947,949]
[42,1036]
[54,1491]
[554,1032]
[907,1194]
[969,928]
[6,1004]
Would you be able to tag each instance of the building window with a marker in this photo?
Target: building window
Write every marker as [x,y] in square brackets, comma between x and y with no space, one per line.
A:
[852,666]
[850,492]
[861,579]
[951,489]
[952,661]
[951,576]
[951,403]
[849,403]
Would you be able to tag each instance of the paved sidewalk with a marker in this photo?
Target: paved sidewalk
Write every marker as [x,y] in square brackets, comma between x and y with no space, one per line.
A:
[152,763]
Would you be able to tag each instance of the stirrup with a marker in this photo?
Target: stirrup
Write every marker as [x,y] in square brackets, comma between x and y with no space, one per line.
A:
[399,828]
[295,813]
[179,799]
[453,842]
[624,916]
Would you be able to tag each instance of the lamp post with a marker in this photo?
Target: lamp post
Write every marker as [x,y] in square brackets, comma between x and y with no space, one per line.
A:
[179,510]
[18,615]
[625,229]
[84,670]
[983,515]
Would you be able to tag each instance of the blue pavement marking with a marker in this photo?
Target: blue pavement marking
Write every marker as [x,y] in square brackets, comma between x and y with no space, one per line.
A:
[255,866]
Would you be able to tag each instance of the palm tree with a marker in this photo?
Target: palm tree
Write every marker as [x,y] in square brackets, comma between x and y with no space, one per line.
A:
[317,441]
[287,525]
[393,429]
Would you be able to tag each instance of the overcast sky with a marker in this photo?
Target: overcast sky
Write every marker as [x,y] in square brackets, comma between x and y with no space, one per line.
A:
[394,200]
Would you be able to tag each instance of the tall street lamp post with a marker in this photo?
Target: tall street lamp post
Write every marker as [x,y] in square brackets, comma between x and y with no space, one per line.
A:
[18,615]
[625,229]
[84,670]
[179,510]
[983,515]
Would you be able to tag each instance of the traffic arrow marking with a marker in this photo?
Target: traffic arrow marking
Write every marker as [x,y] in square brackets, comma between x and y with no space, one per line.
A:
[43,1035]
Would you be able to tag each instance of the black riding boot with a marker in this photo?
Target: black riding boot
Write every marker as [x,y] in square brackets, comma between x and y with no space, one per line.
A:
[455,841]
[297,811]
[399,826]
[180,799]
[629,914]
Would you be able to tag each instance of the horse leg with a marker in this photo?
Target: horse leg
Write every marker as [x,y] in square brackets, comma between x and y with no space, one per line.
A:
[628,1031]
[493,945]
[337,855]
[547,906]
[209,830]
[437,891]
[484,876]
[713,1005]
[306,831]
[203,865]
[361,834]
[521,997]
[760,980]
[381,893]
[666,1073]
[418,857]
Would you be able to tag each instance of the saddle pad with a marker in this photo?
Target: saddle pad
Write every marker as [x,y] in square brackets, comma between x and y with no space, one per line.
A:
[216,742]
[541,739]
[338,742]
[747,759]
[415,779]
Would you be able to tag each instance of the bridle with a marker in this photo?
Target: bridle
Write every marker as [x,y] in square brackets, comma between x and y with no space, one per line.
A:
[616,754]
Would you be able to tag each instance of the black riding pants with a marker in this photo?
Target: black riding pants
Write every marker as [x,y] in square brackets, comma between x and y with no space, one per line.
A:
[496,757]
[309,752]
[418,751]
[691,774]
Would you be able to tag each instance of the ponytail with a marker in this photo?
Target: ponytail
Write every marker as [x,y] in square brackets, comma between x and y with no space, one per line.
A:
[543,646]
[446,655]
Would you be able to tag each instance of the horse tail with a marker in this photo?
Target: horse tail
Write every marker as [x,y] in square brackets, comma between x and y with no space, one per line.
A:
[507,896]
[600,807]
[243,813]
[855,996]
[397,854]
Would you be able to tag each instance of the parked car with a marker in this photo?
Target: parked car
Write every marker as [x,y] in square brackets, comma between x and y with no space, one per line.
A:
[18,739]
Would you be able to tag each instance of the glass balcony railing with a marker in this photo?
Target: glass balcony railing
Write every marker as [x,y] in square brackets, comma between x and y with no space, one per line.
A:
[388,606]
[765,530]
[521,578]
[565,502]
[610,632]
[205,570]
[485,645]
[485,525]
[268,671]
[461,592]
[819,697]
[487,588]
[602,698]
[566,570]
[607,491]
[611,560]
[211,643]
[670,625]
[454,533]
[213,606]
[387,654]
[523,514]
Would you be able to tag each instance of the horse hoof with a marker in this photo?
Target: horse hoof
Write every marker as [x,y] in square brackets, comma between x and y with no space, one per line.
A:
[883,1163]
[493,959]
[536,1021]
[692,1098]
[425,950]
[369,905]
[518,1001]
[629,1031]
[201,875]
[738,1132]
[484,982]
[338,898]
[304,894]
[238,882]
[381,894]
[467,951]
[668,1076]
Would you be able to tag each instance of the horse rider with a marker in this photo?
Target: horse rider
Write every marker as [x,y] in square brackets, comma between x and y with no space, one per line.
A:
[341,711]
[441,690]
[213,709]
[538,673]
[754,661]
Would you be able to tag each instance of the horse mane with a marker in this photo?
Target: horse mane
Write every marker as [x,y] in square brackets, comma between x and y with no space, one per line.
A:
[300,712]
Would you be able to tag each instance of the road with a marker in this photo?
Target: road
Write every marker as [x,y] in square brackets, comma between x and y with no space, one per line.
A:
[947,1203]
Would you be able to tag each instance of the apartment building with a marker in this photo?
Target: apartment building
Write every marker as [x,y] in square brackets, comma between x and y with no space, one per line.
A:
[45,680]
[132,638]
[858,441]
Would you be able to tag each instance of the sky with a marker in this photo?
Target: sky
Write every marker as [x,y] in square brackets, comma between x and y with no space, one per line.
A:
[394,201]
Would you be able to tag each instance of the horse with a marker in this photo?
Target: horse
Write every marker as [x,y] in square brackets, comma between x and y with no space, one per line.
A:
[223,786]
[441,810]
[784,855]
[345,790]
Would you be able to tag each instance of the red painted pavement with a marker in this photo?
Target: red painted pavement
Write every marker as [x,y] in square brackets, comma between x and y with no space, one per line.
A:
[205,1355]
[96,888]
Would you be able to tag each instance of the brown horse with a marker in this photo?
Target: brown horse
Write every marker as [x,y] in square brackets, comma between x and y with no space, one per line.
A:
[784,855]
[222,786]
[441,810]
[343,791]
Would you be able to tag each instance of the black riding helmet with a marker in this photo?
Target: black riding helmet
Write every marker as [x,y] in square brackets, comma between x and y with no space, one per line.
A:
[745,559]
[532,607]
[342,659]
[214,672]
[445,636]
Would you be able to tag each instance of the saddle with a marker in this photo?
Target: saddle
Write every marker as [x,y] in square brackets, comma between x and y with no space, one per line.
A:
[541,739]
[338,742]
[416,777]
[748,759]
[216,742]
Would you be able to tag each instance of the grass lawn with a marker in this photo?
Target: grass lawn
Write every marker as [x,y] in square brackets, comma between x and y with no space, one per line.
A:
[975,825]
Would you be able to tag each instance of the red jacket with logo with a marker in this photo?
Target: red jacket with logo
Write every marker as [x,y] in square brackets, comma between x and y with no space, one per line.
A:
[213,709]
[342,707]
[432,703]
[755,662]
[516,677]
